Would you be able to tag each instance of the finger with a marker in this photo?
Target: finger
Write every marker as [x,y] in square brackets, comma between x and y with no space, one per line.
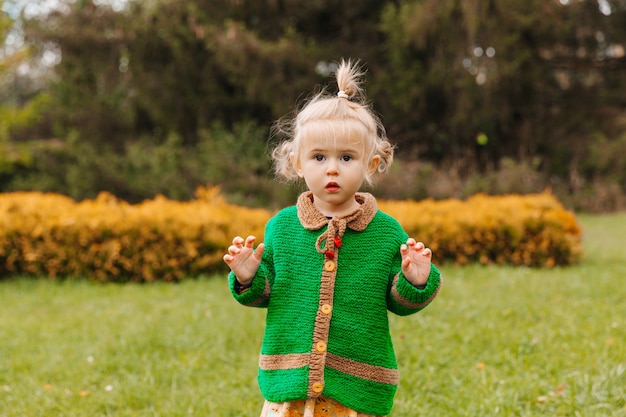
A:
[250,241]
[427,252]
[259,251]
[410,242]
[228,258]
[404,250]
[238,241]
[234,250]
[418,246]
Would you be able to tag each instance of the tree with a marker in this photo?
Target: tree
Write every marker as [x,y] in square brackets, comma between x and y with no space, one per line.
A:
[178,66]
[524,74]
[476,82]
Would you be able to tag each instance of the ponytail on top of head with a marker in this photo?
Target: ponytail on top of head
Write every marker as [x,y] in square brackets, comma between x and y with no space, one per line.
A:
[349,77]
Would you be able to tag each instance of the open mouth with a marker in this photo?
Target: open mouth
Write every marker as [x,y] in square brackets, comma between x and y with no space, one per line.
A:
[332,187]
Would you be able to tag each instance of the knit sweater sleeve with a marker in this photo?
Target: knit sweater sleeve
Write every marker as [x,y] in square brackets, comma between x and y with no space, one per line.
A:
[258,294]
[404,298]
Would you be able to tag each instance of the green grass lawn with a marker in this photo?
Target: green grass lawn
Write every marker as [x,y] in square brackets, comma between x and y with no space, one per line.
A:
[498,341]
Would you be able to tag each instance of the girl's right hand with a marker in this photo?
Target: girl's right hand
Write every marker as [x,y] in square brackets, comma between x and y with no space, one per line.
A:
[243,260]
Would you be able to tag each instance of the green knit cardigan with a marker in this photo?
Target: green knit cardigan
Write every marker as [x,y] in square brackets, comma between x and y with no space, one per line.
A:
[327,286]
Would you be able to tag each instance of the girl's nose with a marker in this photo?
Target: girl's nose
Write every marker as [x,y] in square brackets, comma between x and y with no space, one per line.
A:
[331,167]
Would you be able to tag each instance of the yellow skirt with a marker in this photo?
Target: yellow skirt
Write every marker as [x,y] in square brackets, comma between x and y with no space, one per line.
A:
[320,407]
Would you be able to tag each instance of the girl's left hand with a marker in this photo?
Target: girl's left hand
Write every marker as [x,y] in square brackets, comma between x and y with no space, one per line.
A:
[416,262]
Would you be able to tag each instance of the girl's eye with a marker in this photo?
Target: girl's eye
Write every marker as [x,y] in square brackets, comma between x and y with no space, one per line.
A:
[346,158]
[318,157]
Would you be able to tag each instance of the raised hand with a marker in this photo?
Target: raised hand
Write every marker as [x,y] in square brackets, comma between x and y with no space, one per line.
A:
[416,262]
[243,260]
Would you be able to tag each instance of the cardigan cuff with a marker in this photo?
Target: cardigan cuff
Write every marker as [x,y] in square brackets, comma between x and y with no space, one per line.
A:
[416,294]
[252,294]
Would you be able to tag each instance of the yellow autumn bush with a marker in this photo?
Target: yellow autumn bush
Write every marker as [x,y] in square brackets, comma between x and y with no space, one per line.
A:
[532,230]
[111,240]
[107,239]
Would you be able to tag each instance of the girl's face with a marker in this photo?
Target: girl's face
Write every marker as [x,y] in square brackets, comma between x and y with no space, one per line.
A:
[334,171]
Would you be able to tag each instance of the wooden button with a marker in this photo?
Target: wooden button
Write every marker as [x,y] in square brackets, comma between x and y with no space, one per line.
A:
[329,266]
[327,308]
[320,346]
[317,387]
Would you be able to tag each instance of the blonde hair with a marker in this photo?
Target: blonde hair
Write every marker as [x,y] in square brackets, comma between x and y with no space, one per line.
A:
[326,115]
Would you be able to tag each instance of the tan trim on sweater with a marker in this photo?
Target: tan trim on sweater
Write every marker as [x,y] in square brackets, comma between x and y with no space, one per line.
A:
[262,298]
[409,304]
[351,367]
[363,370]
[283,362]
[321,330]
[312,219]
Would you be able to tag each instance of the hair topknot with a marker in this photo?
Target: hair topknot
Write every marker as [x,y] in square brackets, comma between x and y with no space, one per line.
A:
[328,115]
[349,77]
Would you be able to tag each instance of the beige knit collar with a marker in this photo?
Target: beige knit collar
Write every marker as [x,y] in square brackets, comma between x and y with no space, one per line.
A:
[312,219]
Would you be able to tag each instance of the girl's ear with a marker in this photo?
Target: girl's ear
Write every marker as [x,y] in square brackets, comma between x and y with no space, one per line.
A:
[295,164]
[373,165]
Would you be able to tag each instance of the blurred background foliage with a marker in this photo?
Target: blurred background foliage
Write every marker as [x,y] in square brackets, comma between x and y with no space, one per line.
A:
[149,97]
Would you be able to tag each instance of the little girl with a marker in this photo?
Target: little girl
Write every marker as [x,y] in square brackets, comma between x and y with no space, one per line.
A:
[331,266]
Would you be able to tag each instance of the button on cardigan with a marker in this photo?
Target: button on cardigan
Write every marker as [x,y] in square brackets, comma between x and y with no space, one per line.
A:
[327,285]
